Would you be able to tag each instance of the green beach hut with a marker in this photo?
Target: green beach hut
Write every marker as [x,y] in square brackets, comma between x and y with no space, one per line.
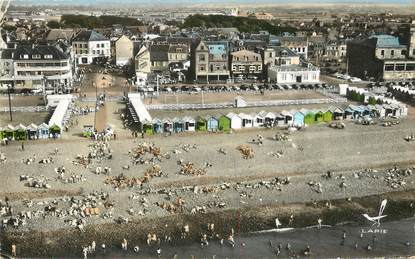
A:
[224,123]
[201,124]
[147,127]
[319,116]
[8,132]
[327,116]
[20,132]
[309,117]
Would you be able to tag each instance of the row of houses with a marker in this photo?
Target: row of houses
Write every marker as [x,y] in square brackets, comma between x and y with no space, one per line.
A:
[270,119]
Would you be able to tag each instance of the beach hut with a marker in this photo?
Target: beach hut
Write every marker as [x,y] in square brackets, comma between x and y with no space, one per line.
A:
[349,113]
[212,123]
[338,113]
[309,117]
[8,132]
[259,119]
[372,111]
[147,127]
[224,123]
[201,123]
[380,110]
[178,125]
[55,131]
[319,116]
[365,111]
[20,132]
[43,131]
[327,116]
[357,111]
[288,116]
[279,120]
[236,121]
[189,123]
[32,131]
[269,119]
[298,119]
[157,125]
[247,120]
[167,125]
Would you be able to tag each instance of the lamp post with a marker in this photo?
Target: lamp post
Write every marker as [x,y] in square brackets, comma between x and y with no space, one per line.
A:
[96,105]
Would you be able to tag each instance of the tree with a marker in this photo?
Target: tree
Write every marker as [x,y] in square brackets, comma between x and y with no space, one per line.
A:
[54,25]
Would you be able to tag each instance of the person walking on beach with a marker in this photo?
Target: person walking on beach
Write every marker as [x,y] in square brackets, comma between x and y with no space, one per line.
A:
[124,244]
[22,146]
[85,252]
[93,246]
[14,250]
[319,221]
[158,251]
[103,247]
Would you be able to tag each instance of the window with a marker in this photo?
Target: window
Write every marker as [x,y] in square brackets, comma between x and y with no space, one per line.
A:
[389,67]
[403,52]
[97,45]
[93,52]
[241,68]
[48,56]
[202,68]
[270,54]
[382,52]
[413,52]
[400,67]
[102,45]
[234,68]
[201,57]
[410,67]
[98,52]
[392,52]
[36,56]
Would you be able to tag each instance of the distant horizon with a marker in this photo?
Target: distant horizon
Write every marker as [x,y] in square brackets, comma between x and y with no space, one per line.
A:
[195,2]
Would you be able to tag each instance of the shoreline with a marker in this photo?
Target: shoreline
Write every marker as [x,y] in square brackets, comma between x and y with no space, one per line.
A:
[68,242]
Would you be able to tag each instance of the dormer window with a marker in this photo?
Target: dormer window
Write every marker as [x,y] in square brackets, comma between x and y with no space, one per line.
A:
[25,56]
[48,56]
[36,56]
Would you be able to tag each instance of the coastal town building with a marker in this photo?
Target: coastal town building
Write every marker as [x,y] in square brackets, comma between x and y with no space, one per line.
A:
[37,66]
[211,61]
[380,57]
[246,63]
[124,51]
[90,46]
